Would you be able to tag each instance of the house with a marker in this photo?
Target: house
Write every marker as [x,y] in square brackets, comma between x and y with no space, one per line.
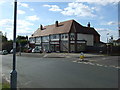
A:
[67,36]
[116,42]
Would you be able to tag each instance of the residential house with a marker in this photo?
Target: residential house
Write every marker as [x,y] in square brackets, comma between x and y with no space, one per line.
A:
[67,36]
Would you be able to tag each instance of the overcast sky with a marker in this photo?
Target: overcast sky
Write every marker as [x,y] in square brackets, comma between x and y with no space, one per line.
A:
[102,14]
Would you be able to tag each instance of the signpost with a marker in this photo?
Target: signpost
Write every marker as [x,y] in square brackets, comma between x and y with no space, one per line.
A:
[13,80]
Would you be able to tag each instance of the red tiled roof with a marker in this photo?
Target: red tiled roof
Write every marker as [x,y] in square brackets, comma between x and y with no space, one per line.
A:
[64,27]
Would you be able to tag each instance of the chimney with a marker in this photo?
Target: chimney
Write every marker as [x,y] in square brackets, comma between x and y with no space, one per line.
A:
[56,23]
[88,24]
[41,27]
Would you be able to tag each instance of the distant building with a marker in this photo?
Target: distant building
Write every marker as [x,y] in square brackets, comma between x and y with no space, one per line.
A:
[1,33]
[1,40]
[67,36]
[1,36]
[116,42]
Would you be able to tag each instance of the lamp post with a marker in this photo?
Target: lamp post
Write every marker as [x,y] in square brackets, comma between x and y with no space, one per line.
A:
[13,79]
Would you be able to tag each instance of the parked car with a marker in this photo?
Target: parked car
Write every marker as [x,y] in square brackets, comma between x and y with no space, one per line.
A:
[48,51]
[3,52]
[36,50]
[11,51]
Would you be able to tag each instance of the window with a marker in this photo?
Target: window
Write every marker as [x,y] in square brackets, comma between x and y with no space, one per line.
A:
[54,36]
[32,40]
[38,39]
[62,36]
[72,36]
[45,38]
[66,36]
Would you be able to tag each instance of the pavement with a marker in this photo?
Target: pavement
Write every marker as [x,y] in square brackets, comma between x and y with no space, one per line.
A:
[3,78]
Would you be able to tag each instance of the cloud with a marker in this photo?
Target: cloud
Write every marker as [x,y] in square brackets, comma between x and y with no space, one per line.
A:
[23,5]
[103,32]
[31,9]
[47,5]
[20,12]
[53,7]
[79,9]
[23,27]
[75,8]
[2,2]
[100,2]
[110,23]
[6,23]
[32,18]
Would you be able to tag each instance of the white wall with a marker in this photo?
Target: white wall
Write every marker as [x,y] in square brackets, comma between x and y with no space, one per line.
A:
[87,37]
[38,40]
[64,37]
[55,37]
[32,40]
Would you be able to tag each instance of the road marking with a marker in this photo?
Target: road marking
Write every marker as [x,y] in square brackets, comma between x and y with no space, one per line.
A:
[99,65]
[27,83]
[45,55]
[90,63]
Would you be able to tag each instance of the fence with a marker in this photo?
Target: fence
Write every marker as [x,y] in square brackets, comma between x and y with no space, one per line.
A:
[98,49]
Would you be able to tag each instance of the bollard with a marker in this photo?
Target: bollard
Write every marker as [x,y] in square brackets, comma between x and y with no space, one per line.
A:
[82,56]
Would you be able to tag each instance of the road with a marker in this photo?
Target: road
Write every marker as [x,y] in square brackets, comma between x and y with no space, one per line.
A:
[35,72]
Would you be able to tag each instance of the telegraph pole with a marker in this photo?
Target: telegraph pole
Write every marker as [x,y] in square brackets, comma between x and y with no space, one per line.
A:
[13,79]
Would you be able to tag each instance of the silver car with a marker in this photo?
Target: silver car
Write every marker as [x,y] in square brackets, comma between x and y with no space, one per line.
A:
[3,52]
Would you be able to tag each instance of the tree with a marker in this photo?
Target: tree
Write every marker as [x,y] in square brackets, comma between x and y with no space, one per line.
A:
[8,45]
[22,41]
[4,39]
[22,37]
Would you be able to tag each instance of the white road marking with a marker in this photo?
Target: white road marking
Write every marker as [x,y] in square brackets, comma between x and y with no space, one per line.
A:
[90,63]
[27,83]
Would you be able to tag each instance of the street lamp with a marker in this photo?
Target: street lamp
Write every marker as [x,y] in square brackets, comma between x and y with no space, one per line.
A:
[13,79]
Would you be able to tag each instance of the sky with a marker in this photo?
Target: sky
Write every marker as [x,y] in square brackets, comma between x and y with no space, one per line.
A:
[102,15]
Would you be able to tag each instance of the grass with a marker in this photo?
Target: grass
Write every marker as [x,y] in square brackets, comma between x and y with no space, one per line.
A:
[4,86]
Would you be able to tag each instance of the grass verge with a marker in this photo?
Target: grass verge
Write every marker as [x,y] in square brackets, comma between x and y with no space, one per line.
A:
[4,86]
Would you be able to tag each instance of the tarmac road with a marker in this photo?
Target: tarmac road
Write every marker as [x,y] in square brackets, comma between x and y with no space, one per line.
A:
[59,73]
